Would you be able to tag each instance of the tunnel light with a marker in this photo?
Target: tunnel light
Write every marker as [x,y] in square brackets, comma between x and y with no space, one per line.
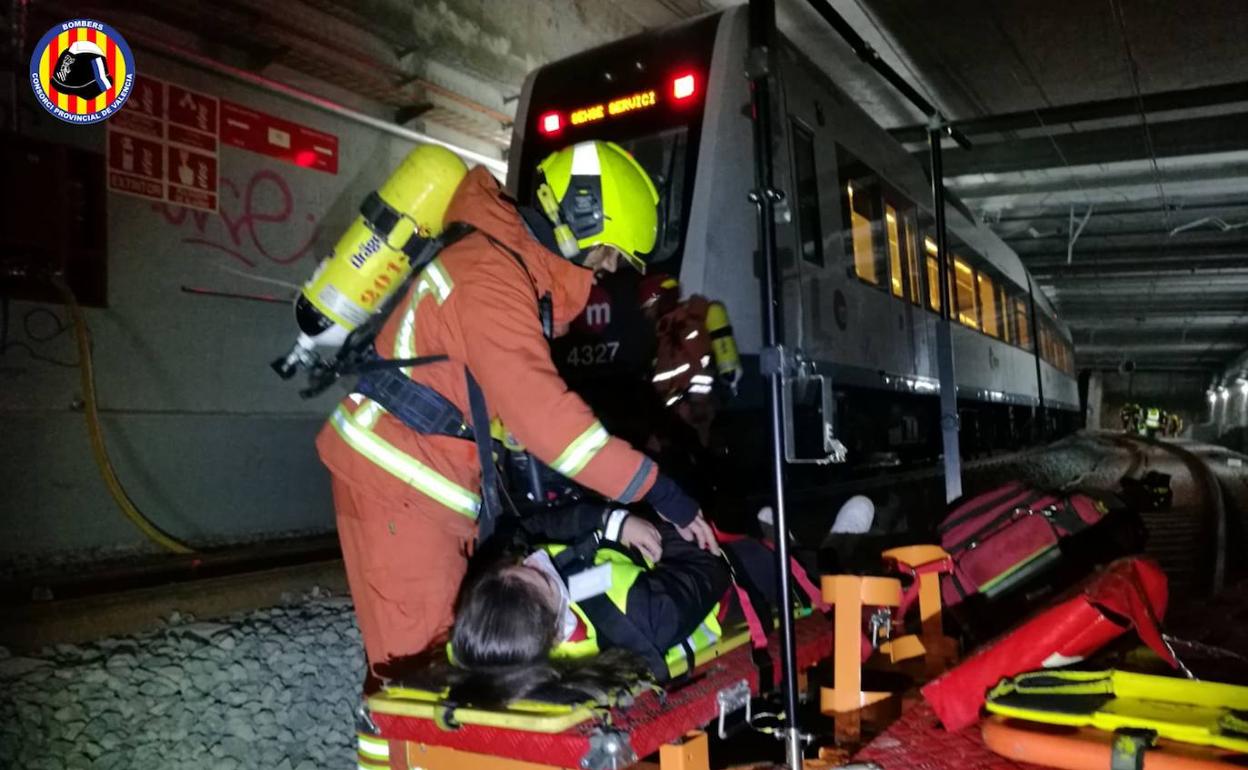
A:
[1222,392]
[684,86]
[1213,397]
[550,123]
[1243,387]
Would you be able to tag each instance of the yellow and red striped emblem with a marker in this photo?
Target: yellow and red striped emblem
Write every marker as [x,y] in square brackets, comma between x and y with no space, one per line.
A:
[119,65]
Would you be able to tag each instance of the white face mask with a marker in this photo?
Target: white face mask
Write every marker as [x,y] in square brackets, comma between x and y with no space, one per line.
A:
[540,560]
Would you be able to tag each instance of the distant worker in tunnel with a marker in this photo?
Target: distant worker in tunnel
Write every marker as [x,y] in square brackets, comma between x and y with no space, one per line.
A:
[408,502]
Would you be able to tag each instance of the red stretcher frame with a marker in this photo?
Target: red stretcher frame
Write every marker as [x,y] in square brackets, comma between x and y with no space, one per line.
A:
[648,724]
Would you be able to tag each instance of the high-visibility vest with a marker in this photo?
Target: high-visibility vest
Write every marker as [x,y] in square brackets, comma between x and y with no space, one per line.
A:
[624,572]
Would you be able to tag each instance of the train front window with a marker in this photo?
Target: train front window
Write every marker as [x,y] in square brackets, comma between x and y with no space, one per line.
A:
[664,157]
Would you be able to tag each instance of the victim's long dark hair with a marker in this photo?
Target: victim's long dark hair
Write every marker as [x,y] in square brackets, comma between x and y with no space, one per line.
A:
[501,641]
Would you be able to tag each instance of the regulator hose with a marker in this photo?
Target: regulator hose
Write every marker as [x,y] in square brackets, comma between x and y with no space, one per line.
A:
[98,449]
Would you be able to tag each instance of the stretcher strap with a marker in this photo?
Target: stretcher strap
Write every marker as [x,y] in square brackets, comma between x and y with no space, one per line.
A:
[758,635]
[808,586]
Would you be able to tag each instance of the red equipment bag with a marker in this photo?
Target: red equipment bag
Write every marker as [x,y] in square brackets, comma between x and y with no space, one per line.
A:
[1006,535]
[1130,593]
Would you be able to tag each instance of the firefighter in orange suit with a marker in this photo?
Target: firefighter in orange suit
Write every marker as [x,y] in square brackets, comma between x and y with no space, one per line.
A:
[695,348]
[407,502]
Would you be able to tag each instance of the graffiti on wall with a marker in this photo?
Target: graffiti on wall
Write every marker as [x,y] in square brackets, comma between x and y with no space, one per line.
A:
[257,222]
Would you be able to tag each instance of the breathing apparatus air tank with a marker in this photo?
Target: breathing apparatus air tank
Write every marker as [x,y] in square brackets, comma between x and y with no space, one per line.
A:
[723,345]
[374,256]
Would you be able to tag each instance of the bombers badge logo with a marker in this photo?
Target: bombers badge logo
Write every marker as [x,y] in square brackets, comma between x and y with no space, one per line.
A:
[82,71]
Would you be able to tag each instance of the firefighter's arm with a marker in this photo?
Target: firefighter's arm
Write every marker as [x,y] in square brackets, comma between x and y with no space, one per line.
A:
[509,357]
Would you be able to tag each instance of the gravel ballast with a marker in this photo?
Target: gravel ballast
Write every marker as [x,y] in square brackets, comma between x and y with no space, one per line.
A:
[274,688]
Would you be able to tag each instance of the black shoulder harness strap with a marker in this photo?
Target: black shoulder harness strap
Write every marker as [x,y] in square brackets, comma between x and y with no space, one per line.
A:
[611,622]
[424,409]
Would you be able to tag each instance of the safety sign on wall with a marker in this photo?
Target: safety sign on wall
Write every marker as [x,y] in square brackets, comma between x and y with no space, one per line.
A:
[278,138]
[163,145]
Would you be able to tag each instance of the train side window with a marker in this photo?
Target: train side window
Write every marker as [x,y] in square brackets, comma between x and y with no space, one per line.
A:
[1003,310]
[933,275]
[1021,325]
[910,239]
[860,206]
[892,232]
[964,293]
[1047,352]
[809,226]
[899,227]
[988,304]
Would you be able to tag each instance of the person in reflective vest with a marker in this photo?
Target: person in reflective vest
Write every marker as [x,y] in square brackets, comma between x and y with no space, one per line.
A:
[628,586]
[407,502]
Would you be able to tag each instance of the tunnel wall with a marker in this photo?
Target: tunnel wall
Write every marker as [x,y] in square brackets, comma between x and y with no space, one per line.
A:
[208,441]
[1228,414]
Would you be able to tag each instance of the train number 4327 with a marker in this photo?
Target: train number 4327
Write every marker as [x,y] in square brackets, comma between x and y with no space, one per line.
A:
[593,355]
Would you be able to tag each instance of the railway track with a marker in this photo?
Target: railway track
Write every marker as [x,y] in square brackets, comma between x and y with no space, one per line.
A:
[1189,538]
[1190,541]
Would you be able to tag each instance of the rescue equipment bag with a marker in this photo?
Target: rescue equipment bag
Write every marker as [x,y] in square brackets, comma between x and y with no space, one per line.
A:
[1204,713]
[1151,492]
[1129,594]
[1002,537]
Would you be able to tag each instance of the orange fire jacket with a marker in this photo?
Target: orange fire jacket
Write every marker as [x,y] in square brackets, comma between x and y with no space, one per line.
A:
[475,304]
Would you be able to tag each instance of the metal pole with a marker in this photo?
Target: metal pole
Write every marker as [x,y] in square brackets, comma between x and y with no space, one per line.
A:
[764,197]
[944,335]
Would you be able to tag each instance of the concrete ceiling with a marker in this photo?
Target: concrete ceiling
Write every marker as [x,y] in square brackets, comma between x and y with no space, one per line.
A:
[1134,109]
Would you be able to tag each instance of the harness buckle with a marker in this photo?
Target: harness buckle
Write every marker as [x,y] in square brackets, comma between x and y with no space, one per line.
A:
[881,626]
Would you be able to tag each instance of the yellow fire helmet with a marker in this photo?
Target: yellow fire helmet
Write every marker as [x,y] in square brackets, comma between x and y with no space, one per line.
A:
[597,193]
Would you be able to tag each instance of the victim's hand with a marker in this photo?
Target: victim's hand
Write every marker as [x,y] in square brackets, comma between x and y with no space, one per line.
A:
[642,535]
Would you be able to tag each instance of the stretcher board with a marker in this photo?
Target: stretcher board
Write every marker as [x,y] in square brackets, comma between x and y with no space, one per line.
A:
[405,725]
[533,717]
[1068,747]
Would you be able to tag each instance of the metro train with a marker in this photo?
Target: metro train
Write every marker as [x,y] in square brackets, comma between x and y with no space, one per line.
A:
[855,236]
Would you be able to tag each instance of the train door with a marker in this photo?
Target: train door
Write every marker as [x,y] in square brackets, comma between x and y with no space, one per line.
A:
[806,170]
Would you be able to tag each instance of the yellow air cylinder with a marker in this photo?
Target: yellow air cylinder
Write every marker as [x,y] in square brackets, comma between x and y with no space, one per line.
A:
[373,256]
[723,345]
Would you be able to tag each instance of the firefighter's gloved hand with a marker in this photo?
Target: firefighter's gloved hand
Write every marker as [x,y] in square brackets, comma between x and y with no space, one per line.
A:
[700,532]
[731,378]
[642,535]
